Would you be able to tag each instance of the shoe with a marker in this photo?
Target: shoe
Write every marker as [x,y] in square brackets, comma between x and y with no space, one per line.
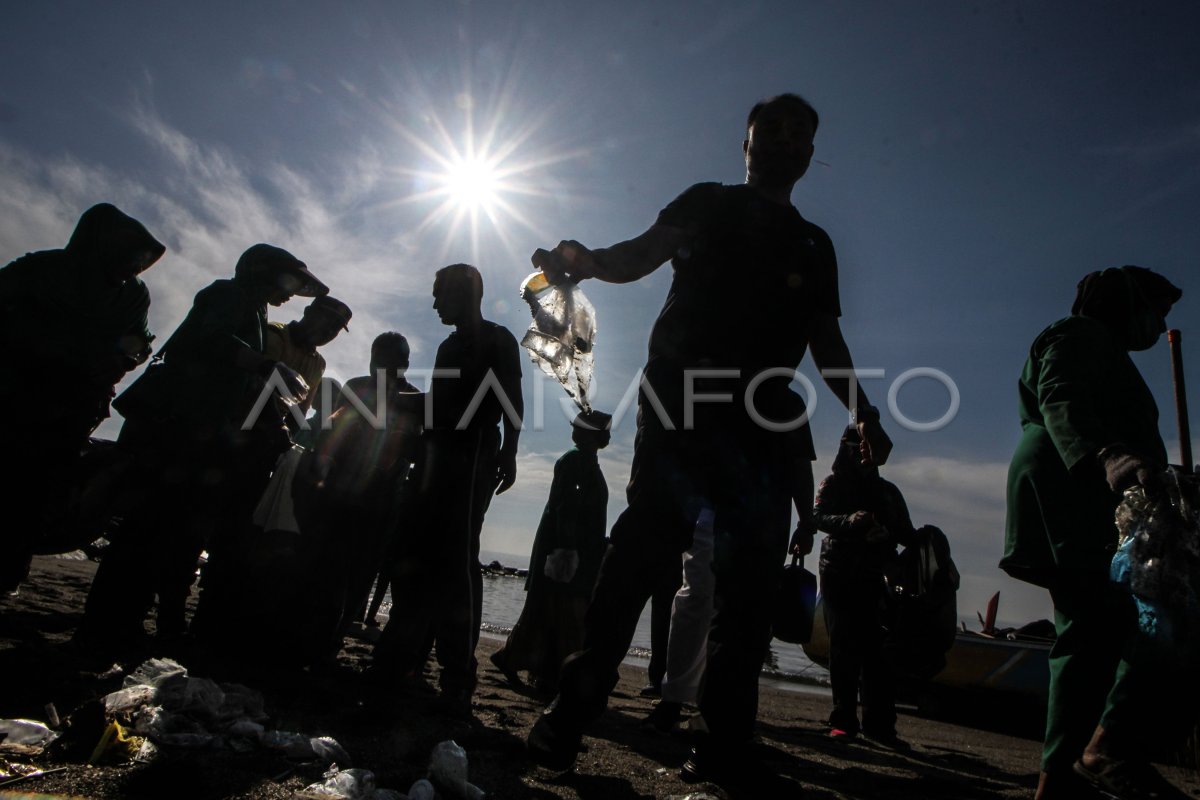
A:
[550,748]
[664,717]
[724,768]
[501,663]
[1127,780]
[651,690]
[841,735]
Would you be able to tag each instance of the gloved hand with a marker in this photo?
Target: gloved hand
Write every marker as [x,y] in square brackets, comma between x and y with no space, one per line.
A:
[1123,470]
[561,565]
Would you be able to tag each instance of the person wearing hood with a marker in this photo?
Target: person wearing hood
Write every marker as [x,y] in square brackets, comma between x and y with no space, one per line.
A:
[1089,431]
[864,518]
[76,319]
[205,428]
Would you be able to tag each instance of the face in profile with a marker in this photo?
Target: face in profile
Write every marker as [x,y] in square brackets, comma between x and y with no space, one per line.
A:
[283,288]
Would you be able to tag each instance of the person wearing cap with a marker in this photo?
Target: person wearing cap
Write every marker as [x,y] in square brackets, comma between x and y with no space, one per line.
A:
[1089,431]
[864,518]
[75,321]
[202,457]
[295,343]
[567,550]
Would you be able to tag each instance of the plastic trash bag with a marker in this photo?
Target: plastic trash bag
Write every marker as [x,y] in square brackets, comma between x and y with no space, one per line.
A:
[1159,547]
[448,770]
[560,338]
[125,702]
[24,736]
[1158,559]
[275,510]
[421,790]
[349,784]
[155,672]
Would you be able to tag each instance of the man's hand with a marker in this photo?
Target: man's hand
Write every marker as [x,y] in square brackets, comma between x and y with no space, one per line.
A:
[506,472]
[561,565]
[569,261]
[802,542]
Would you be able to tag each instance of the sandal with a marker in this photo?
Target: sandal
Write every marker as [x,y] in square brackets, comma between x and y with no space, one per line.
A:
[1128,780]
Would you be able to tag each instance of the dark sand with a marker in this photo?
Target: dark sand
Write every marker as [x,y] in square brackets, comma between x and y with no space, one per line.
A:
[392,735]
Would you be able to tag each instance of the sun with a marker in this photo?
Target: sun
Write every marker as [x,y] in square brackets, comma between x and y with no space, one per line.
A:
[473,183]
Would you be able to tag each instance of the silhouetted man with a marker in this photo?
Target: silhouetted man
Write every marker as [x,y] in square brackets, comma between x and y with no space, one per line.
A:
[755,284]
[296,342]
[437,585]
[73,322]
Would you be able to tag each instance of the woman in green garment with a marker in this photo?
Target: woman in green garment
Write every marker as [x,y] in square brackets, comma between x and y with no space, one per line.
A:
[1089,432]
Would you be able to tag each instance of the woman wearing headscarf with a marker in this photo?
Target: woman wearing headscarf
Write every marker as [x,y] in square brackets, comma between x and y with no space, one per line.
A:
[1089,431]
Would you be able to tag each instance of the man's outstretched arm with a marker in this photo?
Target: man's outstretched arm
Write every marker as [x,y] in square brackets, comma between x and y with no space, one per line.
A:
[830,353]
[624,262]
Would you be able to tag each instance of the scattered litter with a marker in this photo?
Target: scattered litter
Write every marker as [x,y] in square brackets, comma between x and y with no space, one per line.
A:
[422,790]
[448,770]
[348,784]
[561,336]
[694,796]
[161,702]
[116,745]
[24,736]
[36,773]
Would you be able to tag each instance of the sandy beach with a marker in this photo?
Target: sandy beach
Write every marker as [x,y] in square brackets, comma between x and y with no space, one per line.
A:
[392,734]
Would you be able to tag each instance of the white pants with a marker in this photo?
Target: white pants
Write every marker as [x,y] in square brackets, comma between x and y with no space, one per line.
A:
[691,617]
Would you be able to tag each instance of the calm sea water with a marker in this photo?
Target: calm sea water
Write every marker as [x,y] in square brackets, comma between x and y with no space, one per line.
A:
[504,597]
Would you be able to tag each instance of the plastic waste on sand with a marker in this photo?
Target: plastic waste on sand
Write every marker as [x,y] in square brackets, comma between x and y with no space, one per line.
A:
[174,709]
[25,736]
[348,784]
[561,336]
[448,770]
[1158,556]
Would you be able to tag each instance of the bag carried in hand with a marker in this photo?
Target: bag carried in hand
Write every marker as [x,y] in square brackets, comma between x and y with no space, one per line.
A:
[922,611]
[796,604]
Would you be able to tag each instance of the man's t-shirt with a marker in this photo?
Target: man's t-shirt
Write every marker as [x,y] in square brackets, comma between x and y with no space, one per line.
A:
[745,287]
[493,350]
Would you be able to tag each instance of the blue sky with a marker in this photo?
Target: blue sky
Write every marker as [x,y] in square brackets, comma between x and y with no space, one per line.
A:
[976,161]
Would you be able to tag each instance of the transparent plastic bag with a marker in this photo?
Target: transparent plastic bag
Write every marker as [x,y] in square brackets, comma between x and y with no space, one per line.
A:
[349,784]
[561,336]
[448,770]
[1159,547]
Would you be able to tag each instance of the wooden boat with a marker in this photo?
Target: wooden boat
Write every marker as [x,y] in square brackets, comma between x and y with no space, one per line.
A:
[1011,661]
